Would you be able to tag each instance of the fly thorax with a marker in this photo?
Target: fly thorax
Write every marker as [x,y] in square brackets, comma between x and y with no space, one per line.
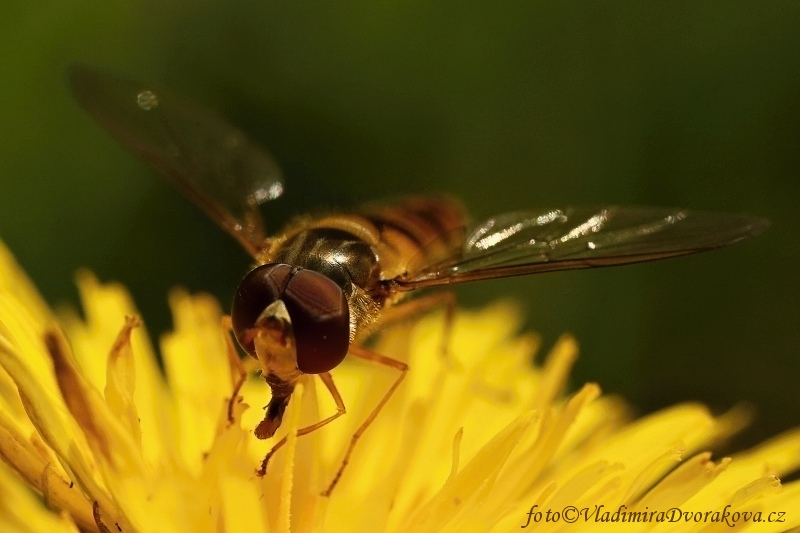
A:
[339,255]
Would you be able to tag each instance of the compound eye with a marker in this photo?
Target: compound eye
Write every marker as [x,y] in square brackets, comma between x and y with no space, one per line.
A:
[259,288]
[320,321]
[317,307]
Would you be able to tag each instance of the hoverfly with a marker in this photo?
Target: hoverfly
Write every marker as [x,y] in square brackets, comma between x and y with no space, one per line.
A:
[323,284]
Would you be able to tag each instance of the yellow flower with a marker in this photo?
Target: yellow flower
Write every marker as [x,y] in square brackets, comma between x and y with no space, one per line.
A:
[95,436]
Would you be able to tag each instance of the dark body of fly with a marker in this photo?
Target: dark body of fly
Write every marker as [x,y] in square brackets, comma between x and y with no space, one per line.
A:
[364,253]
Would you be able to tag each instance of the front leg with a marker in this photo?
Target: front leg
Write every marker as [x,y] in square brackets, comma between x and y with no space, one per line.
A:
[327,379]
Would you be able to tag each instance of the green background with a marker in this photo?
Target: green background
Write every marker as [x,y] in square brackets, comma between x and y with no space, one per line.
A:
[506,104]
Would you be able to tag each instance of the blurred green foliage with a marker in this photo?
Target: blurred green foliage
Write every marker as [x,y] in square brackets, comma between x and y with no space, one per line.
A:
[507,105]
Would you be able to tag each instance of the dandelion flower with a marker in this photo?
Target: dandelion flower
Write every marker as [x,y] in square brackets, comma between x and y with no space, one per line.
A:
[95,436]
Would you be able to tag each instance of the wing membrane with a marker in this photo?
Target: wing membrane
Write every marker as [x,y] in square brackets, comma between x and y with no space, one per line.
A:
[209,160]
[545,240]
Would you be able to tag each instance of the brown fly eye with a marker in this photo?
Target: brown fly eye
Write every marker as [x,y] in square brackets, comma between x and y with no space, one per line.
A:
[320,321]
[317,309]
[259,288]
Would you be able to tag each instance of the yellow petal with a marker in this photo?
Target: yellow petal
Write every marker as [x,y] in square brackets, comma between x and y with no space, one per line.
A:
[198,372]
[105,308]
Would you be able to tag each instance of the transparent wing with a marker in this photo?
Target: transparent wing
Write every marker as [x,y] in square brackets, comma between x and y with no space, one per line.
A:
[546,240]
[206,158]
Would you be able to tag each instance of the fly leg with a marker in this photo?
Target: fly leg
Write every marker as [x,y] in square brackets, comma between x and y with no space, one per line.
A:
[374,357]
[239,369]
[327,379]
